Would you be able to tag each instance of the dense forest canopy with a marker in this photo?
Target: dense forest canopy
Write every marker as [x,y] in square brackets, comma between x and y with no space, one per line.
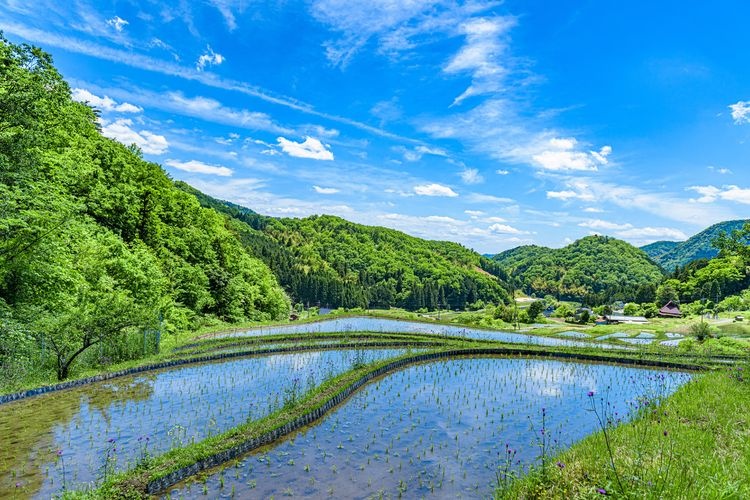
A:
[328,261]
[671,254]
[594,270]
[95,242]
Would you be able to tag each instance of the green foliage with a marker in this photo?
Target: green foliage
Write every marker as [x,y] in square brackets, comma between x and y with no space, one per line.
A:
[329,261]
[95,242]
[632,309]
[649,310]
[669,290]
[701,331]
[535,309]
[564,311]
[671,255]
[594,270]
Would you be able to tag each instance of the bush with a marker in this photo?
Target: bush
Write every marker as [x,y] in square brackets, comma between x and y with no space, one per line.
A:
[701,331]
[632,309]
[649,310]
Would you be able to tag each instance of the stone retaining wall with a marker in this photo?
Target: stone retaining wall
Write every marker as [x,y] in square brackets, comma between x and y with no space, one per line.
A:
[163,483]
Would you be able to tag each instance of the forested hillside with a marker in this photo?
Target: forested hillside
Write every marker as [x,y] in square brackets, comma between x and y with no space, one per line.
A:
[671,255]
[325,260]
[712,280]
[96,243]
[594,269]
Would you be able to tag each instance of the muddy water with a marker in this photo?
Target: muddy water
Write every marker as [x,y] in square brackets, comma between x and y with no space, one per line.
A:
[75,437]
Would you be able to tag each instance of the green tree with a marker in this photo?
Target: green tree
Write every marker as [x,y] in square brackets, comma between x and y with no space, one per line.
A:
[535,309]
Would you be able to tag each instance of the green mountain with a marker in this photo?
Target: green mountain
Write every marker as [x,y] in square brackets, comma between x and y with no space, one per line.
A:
[97,244]
[594,269]
[329,261]
[658,249]
[670,255]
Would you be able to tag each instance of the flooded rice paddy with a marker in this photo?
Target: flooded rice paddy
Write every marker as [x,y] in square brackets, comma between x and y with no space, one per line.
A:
[439,429]
[370,324]
[76,437]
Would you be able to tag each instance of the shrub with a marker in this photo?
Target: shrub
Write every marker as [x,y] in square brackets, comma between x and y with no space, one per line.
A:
[701,331]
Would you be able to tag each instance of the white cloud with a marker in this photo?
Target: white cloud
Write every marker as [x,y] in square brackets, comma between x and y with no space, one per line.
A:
[198,167]
[311,148]
[740,112]
[566,195]
[563,156]
[506,229]
[416,153]
[474,213]
[498,127]
[434,190]
[208,58]
[325,190]
[494,219]
[502,172]
[471,176]
[487,198]
[737,194]
[117,23]
[710,194]
[484,48]
[122,131]
[722,171]
[593,210]
[656,233]
[105,103]
[602,224]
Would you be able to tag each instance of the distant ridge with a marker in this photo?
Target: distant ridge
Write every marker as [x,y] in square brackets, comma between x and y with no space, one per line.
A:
[670,254]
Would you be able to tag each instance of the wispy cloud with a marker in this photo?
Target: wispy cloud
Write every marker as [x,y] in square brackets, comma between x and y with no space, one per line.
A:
[663,204]
[227,8]
[311,148]
[396,27]
[198,167]
[170,68]
[434,190]
[471,176]
[484,49]
[325,190]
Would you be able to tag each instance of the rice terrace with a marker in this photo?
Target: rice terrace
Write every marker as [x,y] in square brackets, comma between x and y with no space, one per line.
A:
[347,249]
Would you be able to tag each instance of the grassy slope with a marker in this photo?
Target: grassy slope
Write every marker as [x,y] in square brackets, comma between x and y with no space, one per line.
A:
[695,445]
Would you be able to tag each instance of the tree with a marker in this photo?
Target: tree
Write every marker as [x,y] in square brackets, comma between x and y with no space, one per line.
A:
[668,291]
[535,309]
[632,309]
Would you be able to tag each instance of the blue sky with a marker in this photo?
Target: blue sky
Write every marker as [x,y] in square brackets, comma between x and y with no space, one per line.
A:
[492,124]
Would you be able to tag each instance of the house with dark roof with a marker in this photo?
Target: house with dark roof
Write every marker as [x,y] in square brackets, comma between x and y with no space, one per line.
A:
[670,310]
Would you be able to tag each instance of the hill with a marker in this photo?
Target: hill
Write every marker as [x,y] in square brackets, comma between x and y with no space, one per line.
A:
[332,262]
[96,243]
[594,269]
[671,255]
[658,249]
